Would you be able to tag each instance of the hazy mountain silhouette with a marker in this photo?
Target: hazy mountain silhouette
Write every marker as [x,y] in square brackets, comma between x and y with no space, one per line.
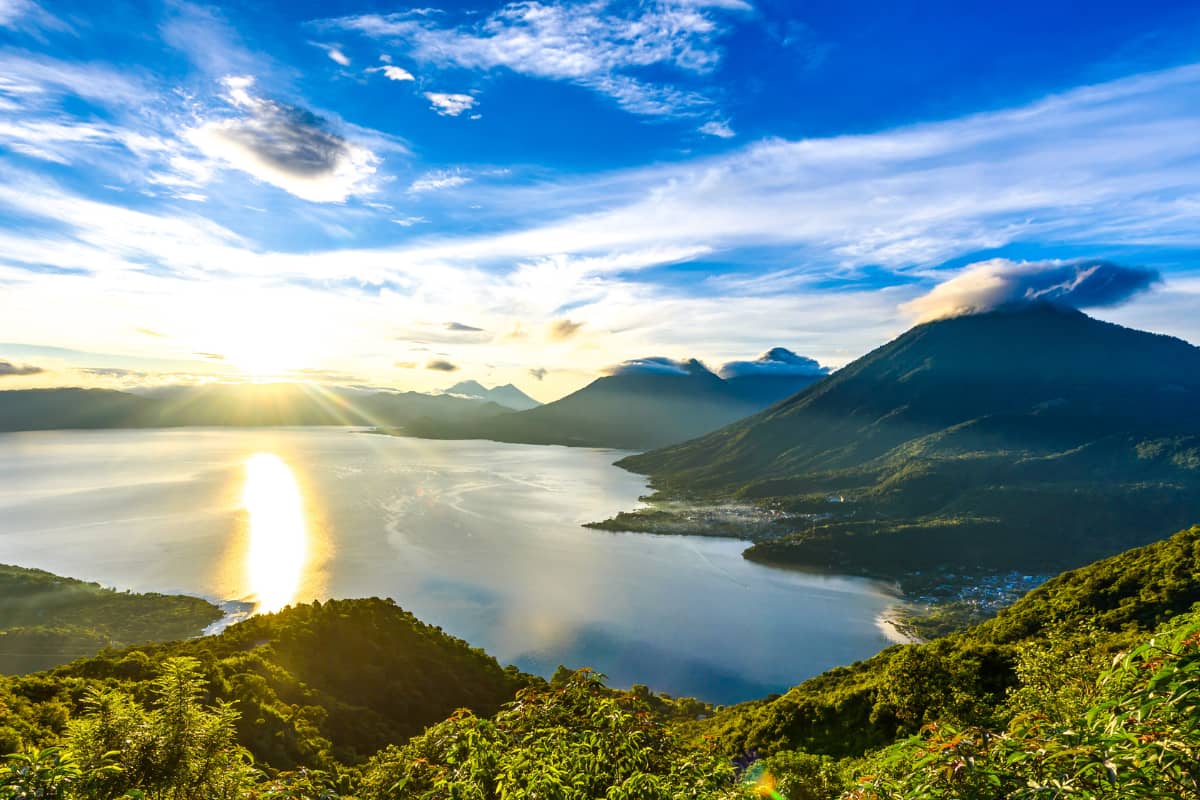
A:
[645,404]
[507,395]
[230,405]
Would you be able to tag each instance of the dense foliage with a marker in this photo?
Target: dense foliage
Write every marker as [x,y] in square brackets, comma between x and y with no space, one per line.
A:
[573,740]
[1078,725]
[965,676]
[46,620]
[1129,731]
[315,684]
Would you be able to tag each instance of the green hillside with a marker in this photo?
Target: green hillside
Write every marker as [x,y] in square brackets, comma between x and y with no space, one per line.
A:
[850,710]
[315,684]
[1031,438]
[46,620]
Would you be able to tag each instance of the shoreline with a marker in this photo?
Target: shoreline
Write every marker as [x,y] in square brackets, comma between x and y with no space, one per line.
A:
[234,611]
[890,623]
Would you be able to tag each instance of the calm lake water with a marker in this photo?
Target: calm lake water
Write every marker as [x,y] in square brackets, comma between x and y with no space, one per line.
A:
[483,539]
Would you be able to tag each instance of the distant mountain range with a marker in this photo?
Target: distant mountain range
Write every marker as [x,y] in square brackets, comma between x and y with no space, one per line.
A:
[646,403]
[1028,437]
[507,395]
[231,405]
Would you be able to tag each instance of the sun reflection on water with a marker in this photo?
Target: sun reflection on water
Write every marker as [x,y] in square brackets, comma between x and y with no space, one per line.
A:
[278,534]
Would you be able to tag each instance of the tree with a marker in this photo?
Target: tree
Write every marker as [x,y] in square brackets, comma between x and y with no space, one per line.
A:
[179,750]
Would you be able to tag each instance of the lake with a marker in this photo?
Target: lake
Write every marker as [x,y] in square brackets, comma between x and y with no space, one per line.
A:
[480,538]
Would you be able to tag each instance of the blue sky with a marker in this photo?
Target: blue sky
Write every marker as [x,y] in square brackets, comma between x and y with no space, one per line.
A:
[533,192]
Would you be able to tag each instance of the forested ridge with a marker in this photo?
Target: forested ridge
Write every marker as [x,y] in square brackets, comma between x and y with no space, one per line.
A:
[46,620]
[1087,687]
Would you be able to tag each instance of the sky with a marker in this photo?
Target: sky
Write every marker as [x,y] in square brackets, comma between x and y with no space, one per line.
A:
[378,194]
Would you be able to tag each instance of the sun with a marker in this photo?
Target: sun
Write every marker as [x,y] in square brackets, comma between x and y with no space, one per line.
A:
[267,345]
[265,358]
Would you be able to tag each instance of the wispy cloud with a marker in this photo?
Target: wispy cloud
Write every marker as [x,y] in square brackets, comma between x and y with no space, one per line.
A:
[438,179]
[288,147]
[597,45]
[334,52]
[31,75]
[209,40]
[26,16]
[721,130]
[1115,162]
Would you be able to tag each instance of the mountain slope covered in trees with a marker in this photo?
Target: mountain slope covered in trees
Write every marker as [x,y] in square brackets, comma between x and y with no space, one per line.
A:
[315,684]
[46,620]
[1031,437]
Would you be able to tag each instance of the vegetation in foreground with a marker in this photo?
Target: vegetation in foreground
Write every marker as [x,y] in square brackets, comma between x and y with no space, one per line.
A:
[1089,687]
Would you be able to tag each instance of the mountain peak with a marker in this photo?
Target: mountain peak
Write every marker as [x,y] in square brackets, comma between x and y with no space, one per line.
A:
[661,365]
[778,361]
[507,395]
[470,387]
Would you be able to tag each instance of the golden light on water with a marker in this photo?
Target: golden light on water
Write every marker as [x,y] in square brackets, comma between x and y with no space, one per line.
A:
[278,548]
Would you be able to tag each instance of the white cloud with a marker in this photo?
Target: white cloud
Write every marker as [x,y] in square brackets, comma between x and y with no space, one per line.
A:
[438,179]
[24,75]
[717,128]
[27,16]
[450,105]
[593,44]
[393,73]
[285,146]
[408,222]
[58,141]
[648,99]
[334,52]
